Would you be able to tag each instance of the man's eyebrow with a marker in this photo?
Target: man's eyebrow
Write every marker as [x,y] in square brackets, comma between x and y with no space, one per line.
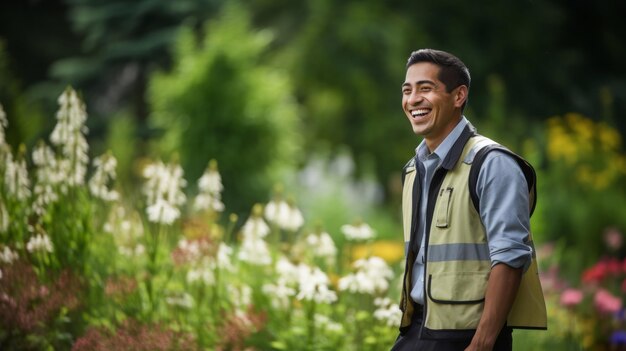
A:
[420,82]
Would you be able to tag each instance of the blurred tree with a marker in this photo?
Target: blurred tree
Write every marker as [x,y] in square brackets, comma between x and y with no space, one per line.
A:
[222,100]
[25,120]
[122,42]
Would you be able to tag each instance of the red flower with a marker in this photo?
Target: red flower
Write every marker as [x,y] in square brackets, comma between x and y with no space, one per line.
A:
[595,273]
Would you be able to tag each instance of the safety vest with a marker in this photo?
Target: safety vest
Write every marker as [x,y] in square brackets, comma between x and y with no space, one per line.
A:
[457,255]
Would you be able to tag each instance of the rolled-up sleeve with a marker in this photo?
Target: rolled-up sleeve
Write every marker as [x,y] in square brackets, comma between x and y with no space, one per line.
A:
[504,210]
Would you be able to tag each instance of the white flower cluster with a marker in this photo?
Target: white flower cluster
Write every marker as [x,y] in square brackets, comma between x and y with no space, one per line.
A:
[104,173]
[387,311]
[327,324]
[8,256]
[360,231]
[313,285]
[203,267]
[49,174]
[283,290]
[254,249]
[322,245]
[302,281]
[69,135]
[371,277]
[16,178]
[183,300]
[284,214]
[210,186]
[240,295]
[163,190]
[39,243]
[204,272]
[126,230]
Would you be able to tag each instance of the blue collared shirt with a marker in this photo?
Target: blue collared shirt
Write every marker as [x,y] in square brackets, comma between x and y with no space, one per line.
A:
[503,206]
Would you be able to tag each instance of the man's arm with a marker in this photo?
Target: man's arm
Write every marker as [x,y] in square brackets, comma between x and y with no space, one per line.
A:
[501,291]
[504,210]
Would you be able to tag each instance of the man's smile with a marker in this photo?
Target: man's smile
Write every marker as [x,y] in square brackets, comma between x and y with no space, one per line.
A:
[420,112]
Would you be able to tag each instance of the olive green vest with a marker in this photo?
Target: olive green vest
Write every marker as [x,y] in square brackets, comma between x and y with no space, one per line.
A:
[457,252]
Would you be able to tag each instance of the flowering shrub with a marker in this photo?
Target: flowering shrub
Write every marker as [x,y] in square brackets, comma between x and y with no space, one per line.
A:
[595,309]
[81,263]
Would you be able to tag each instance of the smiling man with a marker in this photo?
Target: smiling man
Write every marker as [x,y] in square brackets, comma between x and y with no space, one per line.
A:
[471,274]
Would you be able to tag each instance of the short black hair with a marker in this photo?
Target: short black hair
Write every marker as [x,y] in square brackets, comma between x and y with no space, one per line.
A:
[452,71]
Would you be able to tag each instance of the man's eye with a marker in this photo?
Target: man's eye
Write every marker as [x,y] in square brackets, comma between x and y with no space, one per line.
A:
[426,88]
[406,91]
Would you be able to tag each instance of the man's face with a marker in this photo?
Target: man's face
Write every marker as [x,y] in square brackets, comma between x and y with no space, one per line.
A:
[432,111]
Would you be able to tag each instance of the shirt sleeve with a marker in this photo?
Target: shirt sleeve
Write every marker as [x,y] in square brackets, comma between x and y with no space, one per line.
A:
[504,210]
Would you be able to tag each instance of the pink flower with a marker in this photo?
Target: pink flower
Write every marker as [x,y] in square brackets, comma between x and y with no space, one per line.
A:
[571,297]
[605,302]
[613,238]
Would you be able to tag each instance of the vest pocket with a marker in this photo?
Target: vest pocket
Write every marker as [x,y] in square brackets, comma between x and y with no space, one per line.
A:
[442,211]
[457,287]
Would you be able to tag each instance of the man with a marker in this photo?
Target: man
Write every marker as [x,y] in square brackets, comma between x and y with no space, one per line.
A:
[470,272]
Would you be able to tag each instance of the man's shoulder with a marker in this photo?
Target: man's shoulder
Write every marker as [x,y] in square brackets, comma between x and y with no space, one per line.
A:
[410,163]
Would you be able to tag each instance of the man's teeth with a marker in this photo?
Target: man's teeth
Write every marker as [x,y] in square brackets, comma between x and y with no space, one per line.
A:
[419,113]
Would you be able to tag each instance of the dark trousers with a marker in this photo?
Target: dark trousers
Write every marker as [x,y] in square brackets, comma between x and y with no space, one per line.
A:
[411,342]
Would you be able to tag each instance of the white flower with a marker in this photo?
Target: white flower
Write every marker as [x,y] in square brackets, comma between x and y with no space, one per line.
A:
[313,285]
[4,123]
[40,242]
[255,251]
[211,181]
[183,300]
[204,273]
[208,202]
[162,212]
[163,190]
[287,271]
[105,172]
[131,251]
[325,323]
[210,186]
[360,231]
[68,134]
[8,256]
[281,294]
[241,295]
[284,215]
[371,277]
[49,174]
[255,227]
[16,178]
[387,311]
[322,245]
[224,252]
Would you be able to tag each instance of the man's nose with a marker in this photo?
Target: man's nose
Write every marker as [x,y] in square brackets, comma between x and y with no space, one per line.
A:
[415,98]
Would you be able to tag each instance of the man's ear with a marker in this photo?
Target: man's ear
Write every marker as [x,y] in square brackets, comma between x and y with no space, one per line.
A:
[460,95]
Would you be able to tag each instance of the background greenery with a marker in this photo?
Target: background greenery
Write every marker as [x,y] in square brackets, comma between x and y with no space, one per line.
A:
[278,90]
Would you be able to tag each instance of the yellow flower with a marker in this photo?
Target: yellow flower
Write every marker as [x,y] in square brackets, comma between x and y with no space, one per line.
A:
[390,251]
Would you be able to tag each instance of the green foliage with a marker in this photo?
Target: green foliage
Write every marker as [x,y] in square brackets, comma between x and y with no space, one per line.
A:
[581,188]
[221,100]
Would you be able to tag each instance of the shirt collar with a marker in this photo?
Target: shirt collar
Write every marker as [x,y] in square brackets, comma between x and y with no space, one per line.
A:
[444,148]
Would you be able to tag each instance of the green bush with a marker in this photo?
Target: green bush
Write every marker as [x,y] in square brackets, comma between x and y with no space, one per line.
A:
[222,98]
